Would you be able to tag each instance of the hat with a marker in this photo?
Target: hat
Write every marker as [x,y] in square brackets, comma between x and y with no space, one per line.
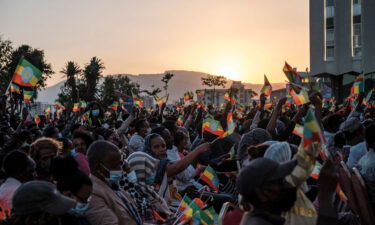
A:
[350,125]
[40,196]
[260,171]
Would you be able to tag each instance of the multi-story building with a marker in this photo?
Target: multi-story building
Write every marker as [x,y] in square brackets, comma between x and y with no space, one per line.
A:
[216,97]
[342,43]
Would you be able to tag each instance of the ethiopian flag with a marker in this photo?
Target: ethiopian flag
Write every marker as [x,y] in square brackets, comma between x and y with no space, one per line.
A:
[267,88]
[301,98]
[76,107]
[160,101]
[210,177]
[311,130]
[358,85]
[26,74]
[114,106]
[180,120]
[298,130]
[292,76]
[200,93]
[212,126]
[59,105]
[137,101]
[185,202]
[231,125]
[36,119]
[15,88]
[27,95]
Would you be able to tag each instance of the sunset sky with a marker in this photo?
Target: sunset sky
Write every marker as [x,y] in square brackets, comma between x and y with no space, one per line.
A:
[241,39]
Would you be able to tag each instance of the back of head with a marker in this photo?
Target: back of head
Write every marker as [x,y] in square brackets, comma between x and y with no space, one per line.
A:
[84,135]
[98,151]
[44,143]
[279,152]
[15,163]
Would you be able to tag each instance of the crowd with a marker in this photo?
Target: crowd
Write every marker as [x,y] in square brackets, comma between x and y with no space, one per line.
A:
[143,166]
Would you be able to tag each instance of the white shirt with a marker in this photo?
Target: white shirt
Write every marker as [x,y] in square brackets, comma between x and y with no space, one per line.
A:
[7,190]
[186,177]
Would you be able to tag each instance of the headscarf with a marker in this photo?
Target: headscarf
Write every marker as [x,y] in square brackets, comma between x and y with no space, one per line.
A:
[253,137]
[279,152]
[147,143]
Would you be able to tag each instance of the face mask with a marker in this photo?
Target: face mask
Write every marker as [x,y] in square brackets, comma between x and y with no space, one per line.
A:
[73,152]
[95,112]
[149,130]
[105,125]
[132,177]
[115,176]
[59,135]
[150,180]
[80,208]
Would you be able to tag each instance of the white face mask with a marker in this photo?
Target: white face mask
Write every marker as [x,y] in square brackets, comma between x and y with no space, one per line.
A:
[132,177]
[149,130]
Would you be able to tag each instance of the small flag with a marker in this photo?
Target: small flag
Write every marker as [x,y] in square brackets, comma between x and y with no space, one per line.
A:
[26,74]
[298,130]
[301,98]
[252,93]
[180,120]
[27,95]
[292,76]
[185,202]
[121,101]
[231,125]
[267,88]
[227,96]
[341,194]
[358,85]
[316,171]
[37,119]
[86,115]
[114,106]
[311,130]
[268,105]
[212,214]
[59,105]
[59,111]
[200,93]
[137,101]
[76,107]
[210,177]
[161,101]
[212,126]
[15,88]
[47,110]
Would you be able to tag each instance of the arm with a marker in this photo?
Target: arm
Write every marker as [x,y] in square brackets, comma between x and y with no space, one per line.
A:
[125,124]
[177,167]
[271,126]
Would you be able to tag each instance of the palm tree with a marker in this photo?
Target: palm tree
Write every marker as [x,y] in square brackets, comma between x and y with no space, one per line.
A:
[91,75]
[71,70]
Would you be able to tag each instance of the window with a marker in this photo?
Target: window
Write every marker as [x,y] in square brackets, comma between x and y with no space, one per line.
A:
[329,29]
[356,29]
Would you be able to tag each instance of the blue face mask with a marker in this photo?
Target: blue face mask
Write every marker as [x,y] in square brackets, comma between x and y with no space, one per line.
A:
[80,208]
[95,112]
[132,177]
[59,135]
[150,180]
[73,152]
[115,176]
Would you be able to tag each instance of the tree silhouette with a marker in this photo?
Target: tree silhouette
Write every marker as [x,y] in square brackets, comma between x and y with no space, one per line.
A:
[214,81]
[71,70]
[91,75]
[166,78]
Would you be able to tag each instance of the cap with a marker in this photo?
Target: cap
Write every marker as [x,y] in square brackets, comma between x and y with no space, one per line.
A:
[260,171]
[40,196]
[350,125]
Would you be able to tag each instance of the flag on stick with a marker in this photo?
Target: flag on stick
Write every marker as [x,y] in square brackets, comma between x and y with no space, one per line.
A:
[267,88]
[212,126]
[358,85]
[26,74]
[210,177]
[27,95]
[311,130]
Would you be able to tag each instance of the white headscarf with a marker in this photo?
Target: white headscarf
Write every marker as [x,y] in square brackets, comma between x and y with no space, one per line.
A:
[279,152]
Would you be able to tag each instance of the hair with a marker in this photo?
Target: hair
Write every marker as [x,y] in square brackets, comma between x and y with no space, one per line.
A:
[68,176]
[49,131]
[179,137]
[104,132]
[101,110]
[84,135]
[263,123]
[257,151]
[15,162]
[158,130]
[98,151]
[44,143]
[170,125]
[139,124]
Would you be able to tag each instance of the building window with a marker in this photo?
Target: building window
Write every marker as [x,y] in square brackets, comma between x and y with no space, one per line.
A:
[329,29]
[356,28]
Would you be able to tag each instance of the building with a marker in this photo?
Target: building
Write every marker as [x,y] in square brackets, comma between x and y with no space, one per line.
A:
[342,43]
[148,101]
[216,97]
[278,94]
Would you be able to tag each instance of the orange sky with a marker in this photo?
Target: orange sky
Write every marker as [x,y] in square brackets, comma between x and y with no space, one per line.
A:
[241,39]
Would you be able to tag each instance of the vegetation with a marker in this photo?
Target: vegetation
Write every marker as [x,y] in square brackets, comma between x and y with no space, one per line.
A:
[214,81]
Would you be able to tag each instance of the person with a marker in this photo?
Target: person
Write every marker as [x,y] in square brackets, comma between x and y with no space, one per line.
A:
[38,202]
[73,183]
[96,115]
[108,204]
[82,140]
[254,137]
[353,131]
[137,140]
[264,193]
[366,164]
[19,168]
[43,150]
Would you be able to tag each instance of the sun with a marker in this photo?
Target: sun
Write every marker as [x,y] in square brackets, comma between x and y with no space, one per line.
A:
[229,71]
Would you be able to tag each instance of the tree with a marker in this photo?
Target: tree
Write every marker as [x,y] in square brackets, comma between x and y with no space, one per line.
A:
[153,93]
[91,75]
[118,83]
[10,58]
[213,81]
[71,70]
[166,78]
